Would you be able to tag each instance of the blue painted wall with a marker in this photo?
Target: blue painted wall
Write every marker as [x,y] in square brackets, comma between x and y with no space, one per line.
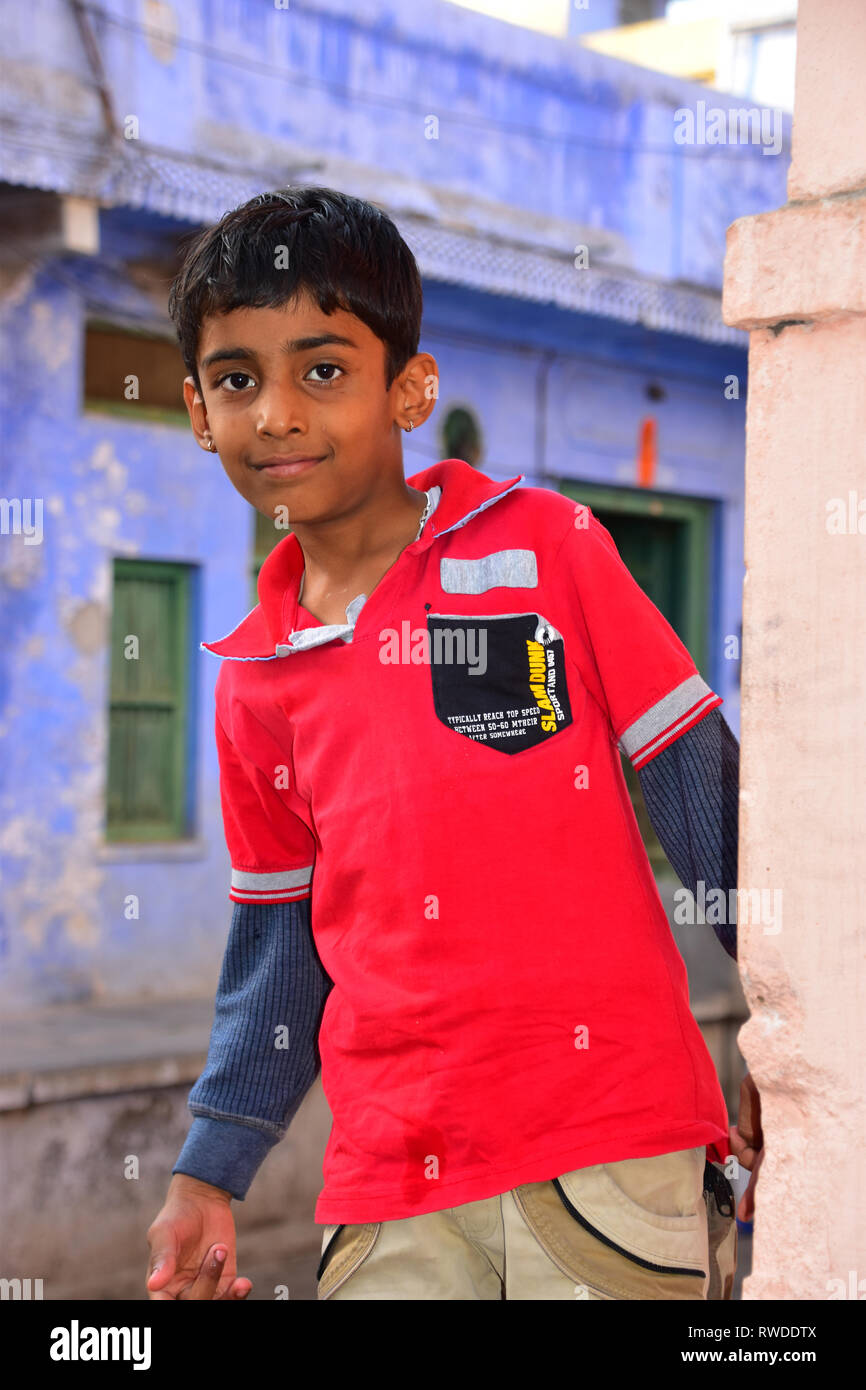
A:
[536,122]
[524,120]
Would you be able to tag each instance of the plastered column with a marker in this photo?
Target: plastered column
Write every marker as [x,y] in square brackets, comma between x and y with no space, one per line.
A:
[796,278]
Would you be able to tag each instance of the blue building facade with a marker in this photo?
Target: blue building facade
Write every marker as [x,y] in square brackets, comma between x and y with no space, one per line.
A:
[571,251]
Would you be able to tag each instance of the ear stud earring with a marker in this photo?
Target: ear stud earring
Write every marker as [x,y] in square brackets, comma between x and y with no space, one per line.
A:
[410,426]
[211,445]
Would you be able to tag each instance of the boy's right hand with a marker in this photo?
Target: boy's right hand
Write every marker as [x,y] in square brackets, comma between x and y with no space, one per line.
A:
[746,1142]
[194,1226]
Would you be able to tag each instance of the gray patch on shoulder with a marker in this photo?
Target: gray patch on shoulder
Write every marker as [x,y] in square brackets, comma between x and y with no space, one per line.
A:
[509,569]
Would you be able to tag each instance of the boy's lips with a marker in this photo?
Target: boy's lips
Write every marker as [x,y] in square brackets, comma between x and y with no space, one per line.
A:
[286,465]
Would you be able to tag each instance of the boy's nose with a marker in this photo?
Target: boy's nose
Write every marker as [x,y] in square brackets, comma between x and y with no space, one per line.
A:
[280,412]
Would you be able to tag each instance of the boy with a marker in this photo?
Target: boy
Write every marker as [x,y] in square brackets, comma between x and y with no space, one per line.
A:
[441,894]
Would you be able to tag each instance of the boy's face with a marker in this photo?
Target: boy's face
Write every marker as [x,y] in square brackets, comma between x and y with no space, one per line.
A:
[278,391]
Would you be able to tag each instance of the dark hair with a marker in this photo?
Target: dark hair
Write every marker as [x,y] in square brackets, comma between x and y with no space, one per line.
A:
[346,253]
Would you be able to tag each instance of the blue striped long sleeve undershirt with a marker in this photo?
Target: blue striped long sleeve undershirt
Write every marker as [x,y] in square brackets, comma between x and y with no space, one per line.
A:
[692,795]
[263,1055]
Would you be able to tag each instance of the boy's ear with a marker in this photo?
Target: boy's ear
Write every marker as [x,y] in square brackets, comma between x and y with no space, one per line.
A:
[417,389]
[197,412]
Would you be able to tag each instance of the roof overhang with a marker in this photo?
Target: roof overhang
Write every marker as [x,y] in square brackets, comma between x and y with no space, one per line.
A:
[457,238]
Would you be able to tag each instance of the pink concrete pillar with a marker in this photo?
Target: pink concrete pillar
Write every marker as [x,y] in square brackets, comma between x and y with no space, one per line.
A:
[796,279]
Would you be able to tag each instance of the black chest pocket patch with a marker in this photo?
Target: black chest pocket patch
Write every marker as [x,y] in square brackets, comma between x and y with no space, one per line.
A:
[500,679]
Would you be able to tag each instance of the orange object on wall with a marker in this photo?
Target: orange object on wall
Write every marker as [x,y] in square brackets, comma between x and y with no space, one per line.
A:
[647,452]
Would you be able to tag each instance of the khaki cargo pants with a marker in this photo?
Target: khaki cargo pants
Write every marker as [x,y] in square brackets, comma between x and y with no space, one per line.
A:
[641,1228]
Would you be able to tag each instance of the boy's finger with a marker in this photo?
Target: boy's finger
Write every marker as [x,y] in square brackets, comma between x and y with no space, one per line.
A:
[204,1286]
[160,1269]
[749,1117]
[747,1204]
[740,1148]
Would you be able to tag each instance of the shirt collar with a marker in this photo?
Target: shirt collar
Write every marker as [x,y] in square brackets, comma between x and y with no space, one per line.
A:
[266,633]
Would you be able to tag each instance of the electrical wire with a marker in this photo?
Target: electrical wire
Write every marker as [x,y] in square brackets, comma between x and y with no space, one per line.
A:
[403,104]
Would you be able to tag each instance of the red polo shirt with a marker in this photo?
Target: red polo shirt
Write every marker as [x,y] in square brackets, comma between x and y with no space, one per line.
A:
[508,1003]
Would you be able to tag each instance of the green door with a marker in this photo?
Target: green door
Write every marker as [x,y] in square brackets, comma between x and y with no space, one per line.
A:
[664,542]
[652,550]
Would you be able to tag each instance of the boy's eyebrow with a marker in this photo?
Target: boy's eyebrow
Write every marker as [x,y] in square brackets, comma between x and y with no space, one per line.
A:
[230,354]
[242,354]
[319,340]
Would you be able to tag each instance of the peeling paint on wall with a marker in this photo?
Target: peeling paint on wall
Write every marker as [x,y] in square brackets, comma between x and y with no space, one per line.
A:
[51,343]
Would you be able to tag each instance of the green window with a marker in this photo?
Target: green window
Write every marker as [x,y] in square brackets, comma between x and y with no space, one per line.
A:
[149,746]
[134,374]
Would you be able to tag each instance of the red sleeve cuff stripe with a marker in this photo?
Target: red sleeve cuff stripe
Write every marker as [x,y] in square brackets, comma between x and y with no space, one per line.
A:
[290,895]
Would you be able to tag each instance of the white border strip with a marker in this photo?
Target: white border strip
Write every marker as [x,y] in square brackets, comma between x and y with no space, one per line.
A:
[283,881]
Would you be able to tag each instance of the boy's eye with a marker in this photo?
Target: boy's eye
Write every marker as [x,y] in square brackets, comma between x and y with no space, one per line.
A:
[326,367]
[235,381]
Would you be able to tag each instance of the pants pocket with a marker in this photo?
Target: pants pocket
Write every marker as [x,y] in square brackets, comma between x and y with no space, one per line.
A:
[721,1207]
[344,1249]
[635,1229]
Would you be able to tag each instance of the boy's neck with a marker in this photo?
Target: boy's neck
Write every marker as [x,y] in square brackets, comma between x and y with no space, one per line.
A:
[355,551]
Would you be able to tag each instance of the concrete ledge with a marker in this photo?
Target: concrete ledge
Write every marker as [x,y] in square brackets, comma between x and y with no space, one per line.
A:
[18,1090]
[76,1050]
[799,263]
